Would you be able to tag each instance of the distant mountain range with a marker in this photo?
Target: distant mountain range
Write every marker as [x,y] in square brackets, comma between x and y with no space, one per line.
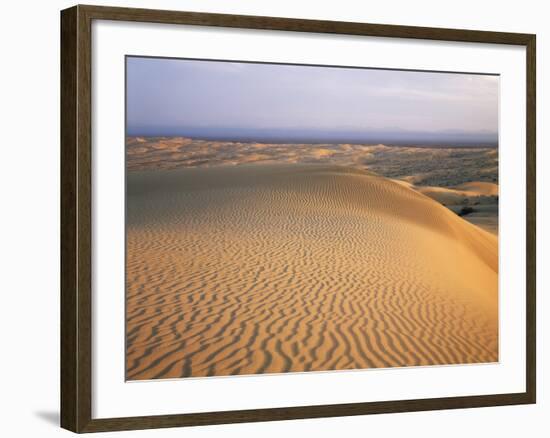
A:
[397,137]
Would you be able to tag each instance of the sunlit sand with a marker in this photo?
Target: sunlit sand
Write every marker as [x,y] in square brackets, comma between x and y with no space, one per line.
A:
[265,268]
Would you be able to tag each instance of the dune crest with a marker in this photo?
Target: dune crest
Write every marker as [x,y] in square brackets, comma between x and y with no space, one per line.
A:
[286,268]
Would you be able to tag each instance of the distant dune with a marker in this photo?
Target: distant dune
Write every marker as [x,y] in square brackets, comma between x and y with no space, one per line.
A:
[288,268]
[476,201]
[456,195]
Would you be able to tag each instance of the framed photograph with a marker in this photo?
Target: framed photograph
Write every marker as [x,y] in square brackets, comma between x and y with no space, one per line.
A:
[270,218]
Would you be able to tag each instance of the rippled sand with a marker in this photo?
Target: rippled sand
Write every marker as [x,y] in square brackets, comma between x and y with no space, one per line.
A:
[478,199]
[288,268]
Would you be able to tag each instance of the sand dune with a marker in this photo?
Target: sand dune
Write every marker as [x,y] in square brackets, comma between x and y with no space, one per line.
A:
[479,188]
[457,195]
[286,268]
[423,166]
[454,195]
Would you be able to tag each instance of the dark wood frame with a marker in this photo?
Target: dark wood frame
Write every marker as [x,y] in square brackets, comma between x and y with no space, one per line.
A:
[76,304]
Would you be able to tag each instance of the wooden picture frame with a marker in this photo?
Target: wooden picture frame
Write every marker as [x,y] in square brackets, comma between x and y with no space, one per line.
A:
[76,218]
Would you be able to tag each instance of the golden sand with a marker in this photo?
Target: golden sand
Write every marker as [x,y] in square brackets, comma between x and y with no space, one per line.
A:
[288,268]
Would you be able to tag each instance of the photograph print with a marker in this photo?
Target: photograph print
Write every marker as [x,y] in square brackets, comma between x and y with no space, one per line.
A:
[285,218]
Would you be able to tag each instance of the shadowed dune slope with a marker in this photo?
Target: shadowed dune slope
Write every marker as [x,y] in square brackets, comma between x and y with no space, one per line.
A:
[288,268]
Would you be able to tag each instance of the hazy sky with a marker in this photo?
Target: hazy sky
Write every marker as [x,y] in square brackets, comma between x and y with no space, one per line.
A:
[169,97]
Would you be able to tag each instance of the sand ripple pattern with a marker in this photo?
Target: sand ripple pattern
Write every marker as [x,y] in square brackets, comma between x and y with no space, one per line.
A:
[289,268]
